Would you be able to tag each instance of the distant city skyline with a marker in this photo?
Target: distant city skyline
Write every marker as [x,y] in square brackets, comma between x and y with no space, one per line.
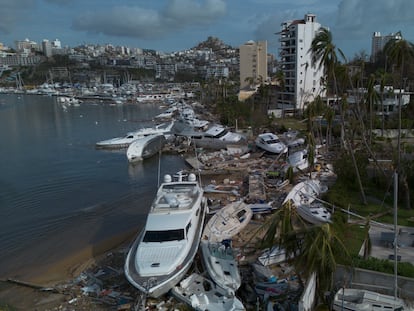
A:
[174,25]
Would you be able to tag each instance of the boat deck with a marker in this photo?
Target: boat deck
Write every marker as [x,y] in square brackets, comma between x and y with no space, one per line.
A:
[177,197]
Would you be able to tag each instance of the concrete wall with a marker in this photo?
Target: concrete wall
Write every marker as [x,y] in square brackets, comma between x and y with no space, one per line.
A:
[394,133]
[308,298]
[376,281]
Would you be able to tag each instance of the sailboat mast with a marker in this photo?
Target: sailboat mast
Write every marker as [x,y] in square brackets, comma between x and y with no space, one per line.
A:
[395,235]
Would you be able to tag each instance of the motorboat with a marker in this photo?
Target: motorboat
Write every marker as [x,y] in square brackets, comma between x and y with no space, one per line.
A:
[270,142]
[353,299]
[202,294]
[298,161]
[145,147]
[220,264]
[228,221]
[315,213]
[165,249]
[216,137]
[125,141]
[167,114]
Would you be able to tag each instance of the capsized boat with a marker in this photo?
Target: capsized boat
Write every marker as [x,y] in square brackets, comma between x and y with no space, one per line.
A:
[165,249]
[220,263]
[202,294]
[315,213]
[353,299]
[125,141]
[228,221]
[145,147]
[305,192]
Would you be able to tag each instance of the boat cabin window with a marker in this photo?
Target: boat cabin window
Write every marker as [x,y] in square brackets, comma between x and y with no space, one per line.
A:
[221,134]
[164,236]
[187,228]
[130,136]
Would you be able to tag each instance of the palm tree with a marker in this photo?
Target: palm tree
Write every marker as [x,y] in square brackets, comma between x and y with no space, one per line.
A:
[372,98]
[381,79]
[310,248]
[324,55]
[399,52]
[321,247]
[280,78]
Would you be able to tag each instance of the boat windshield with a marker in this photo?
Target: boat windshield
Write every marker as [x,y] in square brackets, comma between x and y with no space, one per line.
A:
[221,134]
[164,236]
[273,141]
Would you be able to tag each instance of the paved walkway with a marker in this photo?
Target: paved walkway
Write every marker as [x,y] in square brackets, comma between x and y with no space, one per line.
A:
[382,241]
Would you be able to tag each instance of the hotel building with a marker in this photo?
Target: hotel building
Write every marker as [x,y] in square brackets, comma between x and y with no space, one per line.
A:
[302,78]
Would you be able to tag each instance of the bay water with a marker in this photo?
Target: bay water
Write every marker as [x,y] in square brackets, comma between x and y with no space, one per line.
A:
[58,194]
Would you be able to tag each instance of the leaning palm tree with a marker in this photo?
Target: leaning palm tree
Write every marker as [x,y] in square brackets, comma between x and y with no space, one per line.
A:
[311,249]
[321,248]
[324,56]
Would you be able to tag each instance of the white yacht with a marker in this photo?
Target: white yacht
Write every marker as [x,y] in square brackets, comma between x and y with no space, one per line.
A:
[164,251]
[216,137]
[125,141]
[270,142]
[145,147]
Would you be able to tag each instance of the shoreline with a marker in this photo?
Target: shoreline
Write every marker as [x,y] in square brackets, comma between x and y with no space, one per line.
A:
[68,267]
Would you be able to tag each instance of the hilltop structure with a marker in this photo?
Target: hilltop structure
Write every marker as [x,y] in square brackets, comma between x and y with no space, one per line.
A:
[302,79]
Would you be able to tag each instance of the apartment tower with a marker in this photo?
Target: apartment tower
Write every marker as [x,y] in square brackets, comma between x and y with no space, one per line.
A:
[302,79]
[378,43]
[253,63]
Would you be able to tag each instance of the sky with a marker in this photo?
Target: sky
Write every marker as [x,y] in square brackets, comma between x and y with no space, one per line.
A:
[175,25]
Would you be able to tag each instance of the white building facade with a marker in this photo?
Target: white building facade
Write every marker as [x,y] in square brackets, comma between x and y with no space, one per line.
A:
[302,78]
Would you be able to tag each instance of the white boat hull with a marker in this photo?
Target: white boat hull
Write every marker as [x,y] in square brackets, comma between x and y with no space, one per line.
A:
[145,147]
[351,299]
[202,294]
[221,265]
[164,251]
[228,221]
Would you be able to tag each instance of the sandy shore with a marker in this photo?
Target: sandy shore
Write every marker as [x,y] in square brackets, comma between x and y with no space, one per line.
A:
[71,266]
[24,293]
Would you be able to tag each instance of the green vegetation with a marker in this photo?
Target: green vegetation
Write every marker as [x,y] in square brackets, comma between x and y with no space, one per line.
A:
[6,307]
[405,269]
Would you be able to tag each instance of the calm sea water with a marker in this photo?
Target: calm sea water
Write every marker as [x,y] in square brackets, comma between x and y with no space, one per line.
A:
[57,192]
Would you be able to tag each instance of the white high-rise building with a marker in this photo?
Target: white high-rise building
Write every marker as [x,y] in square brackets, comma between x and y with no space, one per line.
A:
[302,78]
[378,42]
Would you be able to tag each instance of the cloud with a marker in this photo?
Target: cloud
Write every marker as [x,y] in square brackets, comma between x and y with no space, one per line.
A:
[11,12]
[137,22]
[361,18]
